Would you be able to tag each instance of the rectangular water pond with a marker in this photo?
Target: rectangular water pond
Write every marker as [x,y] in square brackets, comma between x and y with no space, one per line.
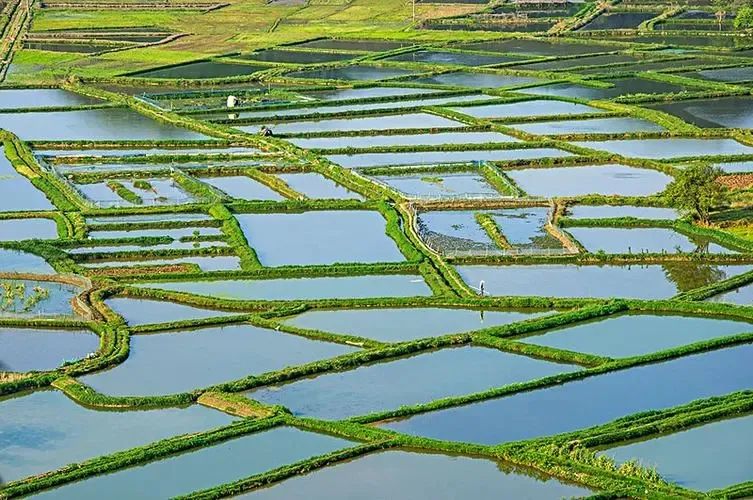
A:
[525,109]
[355,45]
[622,86]
[657,149]
[711,456]
[589,402]
[419,476]
[144,311]
[566,64]
[243,188]
[320,237]
[617,211]
[323,111]
[618,21]
[619,125]
[45,430]
[642,240]
[182,474]
[446,185]
[200,70]
[651,281]
[373,141]
[205,263]
[27,349]
[343,108]
[344,94]
[125,219]
[731,75]
[118,251]
[458,58]
[295,57]
[589,179]
[43,98]
[636,334]
[317,187]
[439,157]
[354,72]
[387,122]
[17,193]
[184,360]
[725,112]
[208,150]
[537,47]
[76,48]
[400,325]
[175,233]
[478,80]
[303,288]
[382,386]
[27,229]
[16,261]
[111,124]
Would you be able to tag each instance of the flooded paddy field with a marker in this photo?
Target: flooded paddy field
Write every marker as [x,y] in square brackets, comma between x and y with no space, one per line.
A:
[415,475]
[699,472]
[649,281]
[670,148]
[373,141]
[71,433]
[595,126]
[344,394]
[587,179]
[526,108]
[303,288]
[202,69]
[319,233]
[441,185]
[633,335]
[93,125]
[731,112]
[27,229]
[364,160]
[230,458]
[352,73]
[36,298]
[423,101]
[398,325]
[618,87]
[545,412]
[205,357]
[270,262]
[27,350]
[407,121]
[642,240]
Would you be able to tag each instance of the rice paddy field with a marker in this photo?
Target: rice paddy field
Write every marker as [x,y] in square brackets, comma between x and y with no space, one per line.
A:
[249,246]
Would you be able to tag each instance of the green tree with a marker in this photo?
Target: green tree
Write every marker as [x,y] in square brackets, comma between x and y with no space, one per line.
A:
[744,18]
[696,191]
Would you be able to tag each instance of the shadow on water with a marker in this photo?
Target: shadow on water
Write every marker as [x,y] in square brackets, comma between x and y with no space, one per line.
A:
[689,275]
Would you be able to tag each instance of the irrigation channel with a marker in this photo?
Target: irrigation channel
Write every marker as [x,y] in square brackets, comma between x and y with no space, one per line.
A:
[445,261]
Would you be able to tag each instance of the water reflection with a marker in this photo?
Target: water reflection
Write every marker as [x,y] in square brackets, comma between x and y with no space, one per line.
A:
[692,274]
